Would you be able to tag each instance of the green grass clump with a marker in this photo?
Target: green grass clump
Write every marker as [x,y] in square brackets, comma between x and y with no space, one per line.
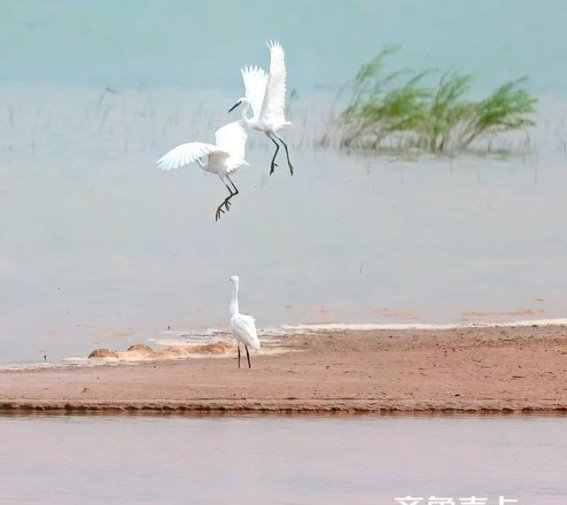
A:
[436,118]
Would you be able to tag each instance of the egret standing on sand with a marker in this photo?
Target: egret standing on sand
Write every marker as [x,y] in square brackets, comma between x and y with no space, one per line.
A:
[265,95]
[243,326]
[223,159]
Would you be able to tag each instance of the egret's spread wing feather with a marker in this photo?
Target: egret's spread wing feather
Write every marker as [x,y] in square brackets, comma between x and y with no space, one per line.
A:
[274,100]
[185,154]
[231,138]
[255,82]
[245,328]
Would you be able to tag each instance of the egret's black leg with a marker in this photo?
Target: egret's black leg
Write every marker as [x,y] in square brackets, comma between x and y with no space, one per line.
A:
[225,203]
[273,164]
[235,188]
[247,355]
[286,154]
[238,344]
[232,195]
[227,200]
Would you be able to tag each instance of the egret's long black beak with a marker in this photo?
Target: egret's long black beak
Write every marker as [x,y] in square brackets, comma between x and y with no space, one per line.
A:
[234,106]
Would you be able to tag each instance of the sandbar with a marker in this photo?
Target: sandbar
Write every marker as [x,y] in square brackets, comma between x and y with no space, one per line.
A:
[456,370]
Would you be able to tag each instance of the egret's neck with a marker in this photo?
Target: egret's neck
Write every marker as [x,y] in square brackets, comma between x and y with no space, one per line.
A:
[245,109]
[234,301]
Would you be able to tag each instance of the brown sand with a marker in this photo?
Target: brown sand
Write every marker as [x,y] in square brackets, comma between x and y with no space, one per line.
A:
[430,371]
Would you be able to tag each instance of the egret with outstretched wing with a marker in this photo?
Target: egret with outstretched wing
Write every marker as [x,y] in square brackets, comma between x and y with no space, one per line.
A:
[265,97]
[223,158]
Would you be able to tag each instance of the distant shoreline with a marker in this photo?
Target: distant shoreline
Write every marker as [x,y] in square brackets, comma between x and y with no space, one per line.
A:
[462,370]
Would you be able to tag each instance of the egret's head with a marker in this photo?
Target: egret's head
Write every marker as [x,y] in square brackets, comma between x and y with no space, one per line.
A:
[239,102]
[234,279]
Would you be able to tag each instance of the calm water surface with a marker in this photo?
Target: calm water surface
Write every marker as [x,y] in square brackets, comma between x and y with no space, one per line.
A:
[144,460]
[100,248]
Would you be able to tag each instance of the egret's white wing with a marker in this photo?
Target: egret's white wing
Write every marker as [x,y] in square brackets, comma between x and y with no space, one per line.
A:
[231,138]
[274,100]
[245,328]
[255,82]
[185,154]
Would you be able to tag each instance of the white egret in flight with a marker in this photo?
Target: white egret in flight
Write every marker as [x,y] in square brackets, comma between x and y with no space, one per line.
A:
[223,159]
[243,326]
[265,95]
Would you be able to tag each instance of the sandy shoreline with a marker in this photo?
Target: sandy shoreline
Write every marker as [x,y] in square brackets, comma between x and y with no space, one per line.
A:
[458,370]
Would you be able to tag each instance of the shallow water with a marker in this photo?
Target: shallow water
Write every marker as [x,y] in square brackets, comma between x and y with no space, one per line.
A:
[103,249]
[147,460]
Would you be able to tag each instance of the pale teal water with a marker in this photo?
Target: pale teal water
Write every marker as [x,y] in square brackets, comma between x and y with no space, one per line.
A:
[98,248]
[264,461]
[101,249]
[202,44]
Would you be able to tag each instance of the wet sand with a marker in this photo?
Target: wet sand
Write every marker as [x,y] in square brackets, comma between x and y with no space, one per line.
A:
[472,370]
